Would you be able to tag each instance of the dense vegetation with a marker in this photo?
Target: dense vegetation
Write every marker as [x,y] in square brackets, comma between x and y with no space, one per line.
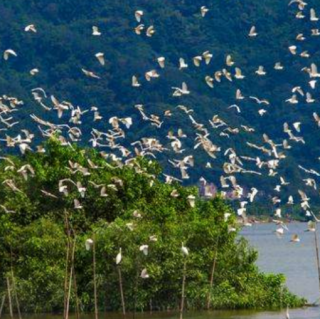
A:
[137,205]
[64,45]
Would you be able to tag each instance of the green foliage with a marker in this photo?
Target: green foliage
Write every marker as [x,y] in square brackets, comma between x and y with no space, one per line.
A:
[34,238]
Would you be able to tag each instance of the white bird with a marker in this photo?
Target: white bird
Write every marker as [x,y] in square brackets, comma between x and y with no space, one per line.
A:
[313,16]
[295,238]
[7,211]
[191,200]
[287,313]
[119,257]
[144,249]
[311,226]
[279,231]
[9,52]
[150,31]
[278,213]
[182,64]
[144,274]
[204,10]
[30,27]
[296,126]
[293,49]
[239,74]
[229,61]
[90,74]
[34,71]
[152,74]
[88,243]
[278,66]
[181,91]
[315,32]
[100,57]
[293,99]
[95,31]
[252,194]
[313,83]
[300,15]
[309,98]
[300,37]
[138,15]
[264,101]
[283,182]
[290,200]
[239,95]
[135,82]
[153,238]
[253,32]
[161,61]
[236,107]
[196,60]
[184,250]
[207,57]
[261,112]
[314,71]
[305,54]
[138,29]
[261,71]
[316,118]
[209,80]
[77,204]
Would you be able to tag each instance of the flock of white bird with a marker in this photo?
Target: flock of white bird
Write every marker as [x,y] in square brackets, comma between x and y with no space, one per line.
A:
[269,153]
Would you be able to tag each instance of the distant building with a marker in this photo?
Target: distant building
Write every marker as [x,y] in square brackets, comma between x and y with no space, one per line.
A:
[207,190]
[210,190]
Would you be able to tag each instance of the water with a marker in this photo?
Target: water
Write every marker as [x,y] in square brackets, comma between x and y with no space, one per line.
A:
[308,313]
[295,260]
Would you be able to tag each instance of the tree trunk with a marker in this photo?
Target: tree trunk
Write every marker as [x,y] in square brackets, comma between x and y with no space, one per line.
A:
[121,291]
[212,276]
[96,314]
[9,298]
[70,280]
[183,288]
[317,253]
[66,278]
[14,288]
[2,304]
[75,287]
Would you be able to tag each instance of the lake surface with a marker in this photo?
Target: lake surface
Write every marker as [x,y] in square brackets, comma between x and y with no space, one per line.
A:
[276,255]
[297,261]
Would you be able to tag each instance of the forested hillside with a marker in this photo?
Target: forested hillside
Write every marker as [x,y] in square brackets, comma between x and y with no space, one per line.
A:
[64,44]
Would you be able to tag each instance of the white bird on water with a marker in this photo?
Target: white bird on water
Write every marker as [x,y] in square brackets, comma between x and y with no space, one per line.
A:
[287,313]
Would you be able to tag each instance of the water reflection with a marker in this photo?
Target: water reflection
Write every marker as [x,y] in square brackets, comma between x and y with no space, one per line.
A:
[307,313]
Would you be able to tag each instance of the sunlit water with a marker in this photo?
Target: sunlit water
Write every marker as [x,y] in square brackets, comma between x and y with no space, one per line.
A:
[296,260]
